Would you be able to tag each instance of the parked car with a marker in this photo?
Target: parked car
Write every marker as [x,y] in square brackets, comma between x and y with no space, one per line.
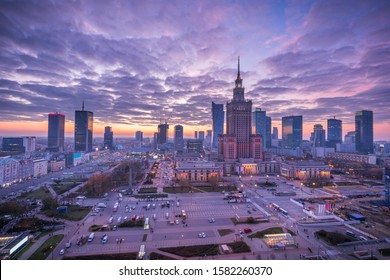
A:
[62,251]
[247,230]
[202,235]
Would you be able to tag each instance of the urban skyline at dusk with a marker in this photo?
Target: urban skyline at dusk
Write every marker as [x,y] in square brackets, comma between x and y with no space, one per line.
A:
[135,63]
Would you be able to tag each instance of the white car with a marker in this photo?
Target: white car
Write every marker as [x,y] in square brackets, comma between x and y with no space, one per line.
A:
[62,251]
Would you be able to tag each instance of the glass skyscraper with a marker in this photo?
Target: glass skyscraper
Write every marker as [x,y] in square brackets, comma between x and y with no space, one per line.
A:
[364,131]
[259,124]
[108,138]
[56,129]
[83,131]
[218,121]
[291,132]
[178,141]
[334,132]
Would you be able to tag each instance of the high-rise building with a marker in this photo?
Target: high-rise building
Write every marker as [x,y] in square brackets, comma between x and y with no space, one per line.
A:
[163,133]
[275,133]
[291,132]
[364,131]
[201,135]
[13,144]
[156,139]
[218,121]
[194,146]
[259,124]
[108,138]
[268,126]
[178,142]
[334,132]
[195,134]
[29,143]
[319,136]
[350,137]
[56,132]
[238,142]
[139,136]
[83,131]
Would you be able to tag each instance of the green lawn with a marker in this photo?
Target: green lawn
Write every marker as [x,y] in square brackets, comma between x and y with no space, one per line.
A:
[75,213]
[217,189]
[148,190]
[348,184]
[193,251]
[62,188]
[239,247]
[260,234]
[47,247]
[40,193]
[119,256]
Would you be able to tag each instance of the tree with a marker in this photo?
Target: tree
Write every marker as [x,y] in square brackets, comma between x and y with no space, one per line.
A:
[49,203]
[184,183]
[213,181]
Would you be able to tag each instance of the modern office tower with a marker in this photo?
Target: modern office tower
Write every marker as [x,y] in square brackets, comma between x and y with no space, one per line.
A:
[364,131]
[350,137]
[163,133]
[108,138]
[195,135]
[139,136]
[13,144]
[83,131]
[178,142]
[268,126]
[334,132]
[56,132]
[201,135]
[259,124]
[275,133]
[291,132]
[218,121]
[194,146]
[239,128]
[318,136]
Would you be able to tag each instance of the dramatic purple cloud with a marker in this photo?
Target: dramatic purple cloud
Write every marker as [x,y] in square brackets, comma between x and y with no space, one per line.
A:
[136,61]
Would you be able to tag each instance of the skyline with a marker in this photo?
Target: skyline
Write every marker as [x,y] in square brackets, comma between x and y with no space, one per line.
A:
[134,63]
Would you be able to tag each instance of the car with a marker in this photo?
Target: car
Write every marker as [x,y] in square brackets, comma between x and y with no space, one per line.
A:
[247,230]
[125,218]
[68,244]
[249,212]
[62,251]
[211,220]
[202,235]
[127,210]
[114,228]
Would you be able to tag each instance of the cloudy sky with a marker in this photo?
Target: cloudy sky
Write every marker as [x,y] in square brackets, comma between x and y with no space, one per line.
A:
[136,62]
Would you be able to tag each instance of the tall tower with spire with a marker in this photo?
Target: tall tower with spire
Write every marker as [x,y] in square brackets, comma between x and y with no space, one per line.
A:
[83,130]
[238,142]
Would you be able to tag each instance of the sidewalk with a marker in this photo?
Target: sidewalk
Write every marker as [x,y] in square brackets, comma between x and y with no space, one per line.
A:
[34,247]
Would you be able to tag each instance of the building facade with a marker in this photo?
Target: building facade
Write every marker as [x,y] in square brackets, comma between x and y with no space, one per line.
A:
[334,132]
[370,159]
[178,141]
[139,136]
[319,136]
[218,116]
[163,133]
[291,132]
[305,170]
[364,132]
[56,132]
[13,144]
[83,131]
[197,171]
[40,167]
[108,138]
[237,143]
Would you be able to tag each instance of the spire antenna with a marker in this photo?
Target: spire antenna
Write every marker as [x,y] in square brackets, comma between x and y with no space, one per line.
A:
[238,71]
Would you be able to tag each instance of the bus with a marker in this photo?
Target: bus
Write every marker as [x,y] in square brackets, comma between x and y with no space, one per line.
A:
[183,214]
[141,252]
[116,206]
[91,237]
[146,224]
